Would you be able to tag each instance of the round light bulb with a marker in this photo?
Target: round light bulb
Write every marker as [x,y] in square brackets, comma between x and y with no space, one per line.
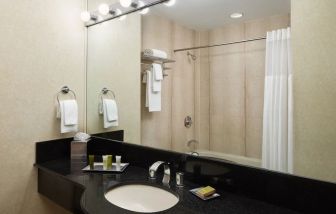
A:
[170,3]
[104,9]
[125,3]
[85,16]
[236,15]
[144,11]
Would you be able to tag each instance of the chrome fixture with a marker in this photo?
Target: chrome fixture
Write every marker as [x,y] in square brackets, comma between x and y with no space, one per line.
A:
[217,45]
[65,90]
[179,179]
[109,12]
[194,154]
[166,172]
[188,122]
[105,92]
[192,56]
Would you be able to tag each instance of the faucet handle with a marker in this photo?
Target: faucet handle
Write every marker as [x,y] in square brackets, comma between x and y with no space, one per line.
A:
[166,173]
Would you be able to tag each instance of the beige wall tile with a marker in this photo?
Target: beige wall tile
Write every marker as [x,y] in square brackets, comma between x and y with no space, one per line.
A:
[156,126]
[183,88]
[227,91]
[255,76]
[202,92]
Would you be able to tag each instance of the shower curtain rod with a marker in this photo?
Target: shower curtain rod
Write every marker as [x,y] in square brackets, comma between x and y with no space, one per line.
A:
[210,46]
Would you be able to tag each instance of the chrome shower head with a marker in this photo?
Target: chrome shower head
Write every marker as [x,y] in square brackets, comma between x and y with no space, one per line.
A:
[193,57]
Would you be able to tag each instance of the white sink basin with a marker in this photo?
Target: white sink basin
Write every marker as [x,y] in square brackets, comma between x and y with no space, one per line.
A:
[141,198]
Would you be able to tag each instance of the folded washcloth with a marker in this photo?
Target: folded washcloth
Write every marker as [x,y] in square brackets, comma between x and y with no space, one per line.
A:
[155,53]
[69,116]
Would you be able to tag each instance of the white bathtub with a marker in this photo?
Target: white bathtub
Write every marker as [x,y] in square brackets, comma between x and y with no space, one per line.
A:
[233,158]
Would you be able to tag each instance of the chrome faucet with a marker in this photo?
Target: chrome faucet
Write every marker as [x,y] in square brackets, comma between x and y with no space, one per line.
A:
[155,166]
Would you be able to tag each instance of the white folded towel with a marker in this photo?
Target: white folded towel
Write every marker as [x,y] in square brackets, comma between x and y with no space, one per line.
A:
[110,112]
[69,116]
[70,108]
[155,53]
[156,72]
[153,99]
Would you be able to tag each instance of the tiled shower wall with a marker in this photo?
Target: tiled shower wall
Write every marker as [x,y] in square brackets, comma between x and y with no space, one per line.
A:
[222,90]
[237,86]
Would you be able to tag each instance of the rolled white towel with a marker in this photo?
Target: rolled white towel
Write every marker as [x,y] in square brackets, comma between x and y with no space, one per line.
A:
[155,53]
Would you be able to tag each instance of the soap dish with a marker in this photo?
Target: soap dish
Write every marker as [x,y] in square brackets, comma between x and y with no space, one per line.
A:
[194,191]
[98,167]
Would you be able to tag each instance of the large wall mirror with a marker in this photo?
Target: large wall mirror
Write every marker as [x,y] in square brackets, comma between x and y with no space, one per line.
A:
[213,87]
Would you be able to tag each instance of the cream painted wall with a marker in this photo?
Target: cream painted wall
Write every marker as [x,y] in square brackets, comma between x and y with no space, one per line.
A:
[314,68]
[41,49]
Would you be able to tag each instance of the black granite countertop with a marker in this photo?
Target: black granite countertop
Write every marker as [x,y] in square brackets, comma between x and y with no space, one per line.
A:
[95,185]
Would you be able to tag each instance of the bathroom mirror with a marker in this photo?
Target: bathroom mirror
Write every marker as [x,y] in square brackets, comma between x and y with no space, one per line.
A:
[113,64]
[213,88]
[219,89]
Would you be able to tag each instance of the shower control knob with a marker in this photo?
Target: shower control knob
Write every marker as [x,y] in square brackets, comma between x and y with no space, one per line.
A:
[188,122]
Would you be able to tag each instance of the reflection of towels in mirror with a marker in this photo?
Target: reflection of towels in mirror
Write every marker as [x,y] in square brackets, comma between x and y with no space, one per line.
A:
[153,99]
[110,113]
[69,116]
[155,53]
[157,77]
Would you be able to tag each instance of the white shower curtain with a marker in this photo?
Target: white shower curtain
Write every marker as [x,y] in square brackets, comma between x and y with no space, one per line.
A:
[277,147]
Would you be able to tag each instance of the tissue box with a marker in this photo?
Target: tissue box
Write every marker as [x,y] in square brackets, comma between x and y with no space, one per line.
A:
[78,151]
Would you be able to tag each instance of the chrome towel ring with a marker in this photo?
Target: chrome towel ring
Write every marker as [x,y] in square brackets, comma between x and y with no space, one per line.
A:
[106,91]
[65,90]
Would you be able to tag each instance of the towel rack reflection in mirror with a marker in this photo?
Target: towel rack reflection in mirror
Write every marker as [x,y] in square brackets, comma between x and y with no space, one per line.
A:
[149,60]
[105,91]
[65,90]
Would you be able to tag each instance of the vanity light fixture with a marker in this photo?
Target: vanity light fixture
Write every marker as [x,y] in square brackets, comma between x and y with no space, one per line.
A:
[236,15]
[170,3]
[87,16]
[125,3]
[106,12]
[105,9]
